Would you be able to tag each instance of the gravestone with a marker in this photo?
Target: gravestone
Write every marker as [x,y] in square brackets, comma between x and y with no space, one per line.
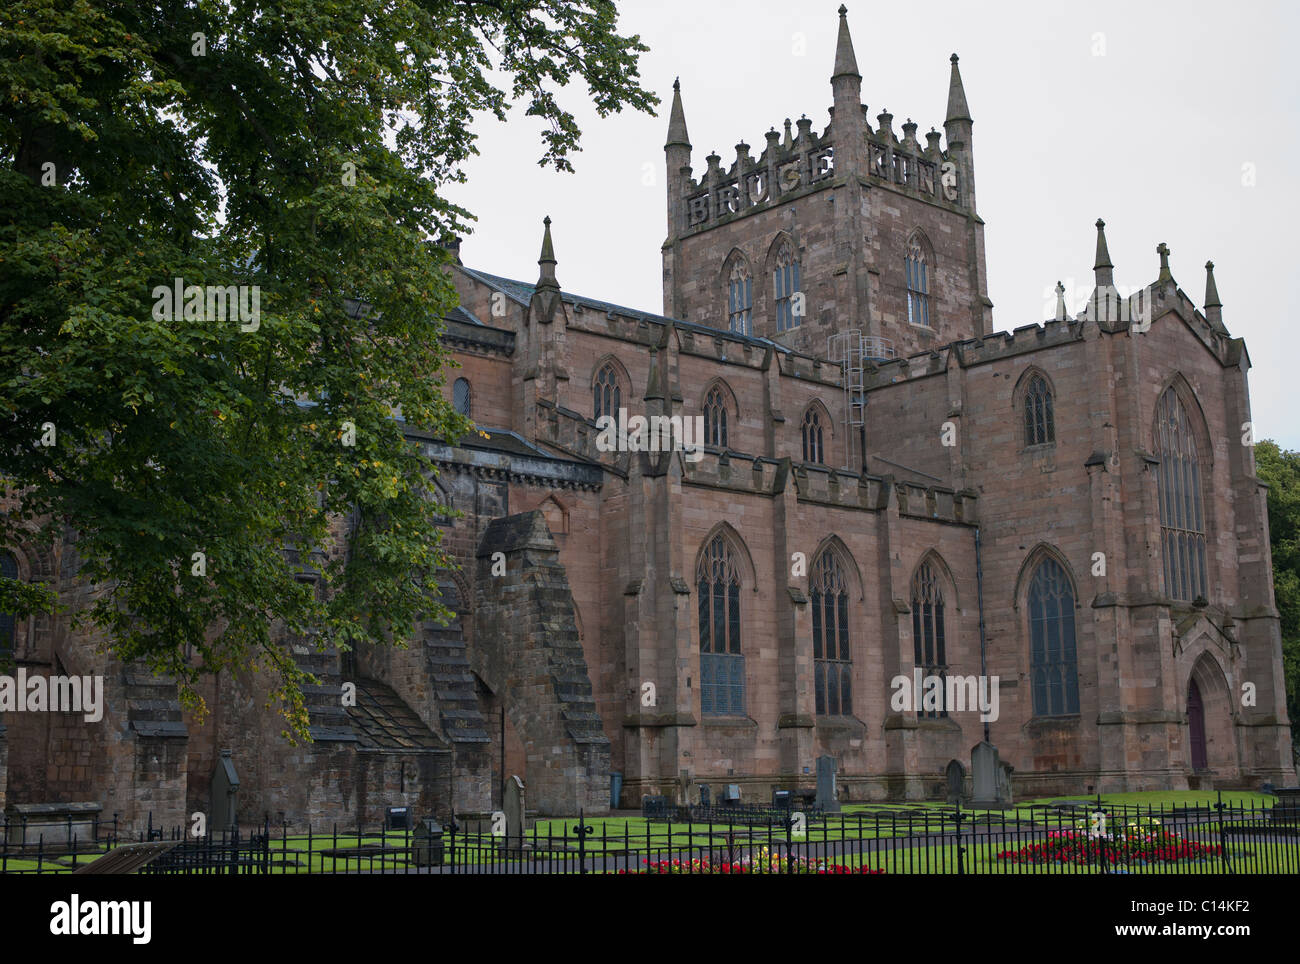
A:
[827,802]
[684,782]
[990,789]
[514,808]
[1004,782]
[955,777]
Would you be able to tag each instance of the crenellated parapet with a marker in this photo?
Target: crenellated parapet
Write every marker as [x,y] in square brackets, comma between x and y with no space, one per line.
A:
[784,171]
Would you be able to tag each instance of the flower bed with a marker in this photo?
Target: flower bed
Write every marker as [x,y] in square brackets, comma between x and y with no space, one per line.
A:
[1141,841]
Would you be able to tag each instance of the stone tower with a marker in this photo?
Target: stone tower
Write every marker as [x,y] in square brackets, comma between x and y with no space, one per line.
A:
[820,233]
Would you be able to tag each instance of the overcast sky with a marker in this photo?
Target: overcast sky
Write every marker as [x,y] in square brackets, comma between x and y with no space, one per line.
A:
[1144,114]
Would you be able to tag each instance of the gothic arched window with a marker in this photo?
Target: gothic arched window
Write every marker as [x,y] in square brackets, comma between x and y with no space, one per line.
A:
[722,667]
[608,399]
[1040,423]
[917,263]
[811,431]
[460,396]
[833,668]
[928,629]
[715,417]
[789,298]
[1052,661]
[1182,517]
[8,625]
[740,298]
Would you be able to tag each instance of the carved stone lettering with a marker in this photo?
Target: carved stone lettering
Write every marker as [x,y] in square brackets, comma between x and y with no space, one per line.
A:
[699,209]
[788,177]
[926,171]
[728,199]
[756,186]
[823,164]
[879,157]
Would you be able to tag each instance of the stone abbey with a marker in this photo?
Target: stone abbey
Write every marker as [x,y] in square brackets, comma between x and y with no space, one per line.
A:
[888,487]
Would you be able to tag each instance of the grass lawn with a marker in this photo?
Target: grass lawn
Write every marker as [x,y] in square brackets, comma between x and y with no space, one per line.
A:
[862,821]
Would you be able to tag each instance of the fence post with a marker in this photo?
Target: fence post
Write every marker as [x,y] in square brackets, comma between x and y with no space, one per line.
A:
[1223,838]
[961,851]
[582,830]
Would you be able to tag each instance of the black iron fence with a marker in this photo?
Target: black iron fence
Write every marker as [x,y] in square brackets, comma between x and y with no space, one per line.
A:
[1068,837]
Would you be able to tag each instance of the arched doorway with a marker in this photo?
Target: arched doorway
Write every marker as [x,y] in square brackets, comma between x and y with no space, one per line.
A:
[1196,726]
[1211,738]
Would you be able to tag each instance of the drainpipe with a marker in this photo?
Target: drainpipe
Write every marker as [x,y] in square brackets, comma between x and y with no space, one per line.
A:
[979,596]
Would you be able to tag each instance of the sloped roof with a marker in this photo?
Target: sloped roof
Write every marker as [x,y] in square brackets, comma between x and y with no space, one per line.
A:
[381,720]
[521,292]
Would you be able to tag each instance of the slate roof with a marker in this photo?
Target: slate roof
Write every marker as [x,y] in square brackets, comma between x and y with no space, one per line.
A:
[467,317]
[381,720]
[522,293]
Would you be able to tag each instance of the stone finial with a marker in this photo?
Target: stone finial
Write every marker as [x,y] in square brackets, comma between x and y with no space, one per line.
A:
[1213,307]
[713,171]
[909,134]
[886,130]
[932,138]
[957,109]
[677,136]
[773,143]
[785,144]
[1211,289]
[805,128]
[846,65]
[1061,313]
[547,277]
[1103,269]
[1166,275]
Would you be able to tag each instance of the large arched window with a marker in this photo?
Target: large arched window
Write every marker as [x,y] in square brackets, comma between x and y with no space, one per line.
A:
[832,665]
[461,398]
[1053,665]
[8,625]
[785,280]
[1182,517]
[607,397]
[928,629]
[917,264]
[1040,423]
[740,298]
[715,417]
[811,431]
[722,667]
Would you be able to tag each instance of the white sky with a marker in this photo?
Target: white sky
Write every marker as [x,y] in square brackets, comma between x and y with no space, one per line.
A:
[1152,136]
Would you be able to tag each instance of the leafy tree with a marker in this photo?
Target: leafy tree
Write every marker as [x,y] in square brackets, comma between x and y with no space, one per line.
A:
[1281,470]
[301,149]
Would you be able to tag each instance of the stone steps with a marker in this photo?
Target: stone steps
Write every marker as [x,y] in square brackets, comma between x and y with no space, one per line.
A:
[449,668]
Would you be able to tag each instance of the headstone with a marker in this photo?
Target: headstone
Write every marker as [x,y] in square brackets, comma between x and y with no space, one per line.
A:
[514,808]
[985,776]
[827,802]
[955,777]
[684,782]
[1004,782]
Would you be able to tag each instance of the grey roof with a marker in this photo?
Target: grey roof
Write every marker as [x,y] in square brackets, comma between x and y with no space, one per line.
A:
[467,317]
[522,293]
